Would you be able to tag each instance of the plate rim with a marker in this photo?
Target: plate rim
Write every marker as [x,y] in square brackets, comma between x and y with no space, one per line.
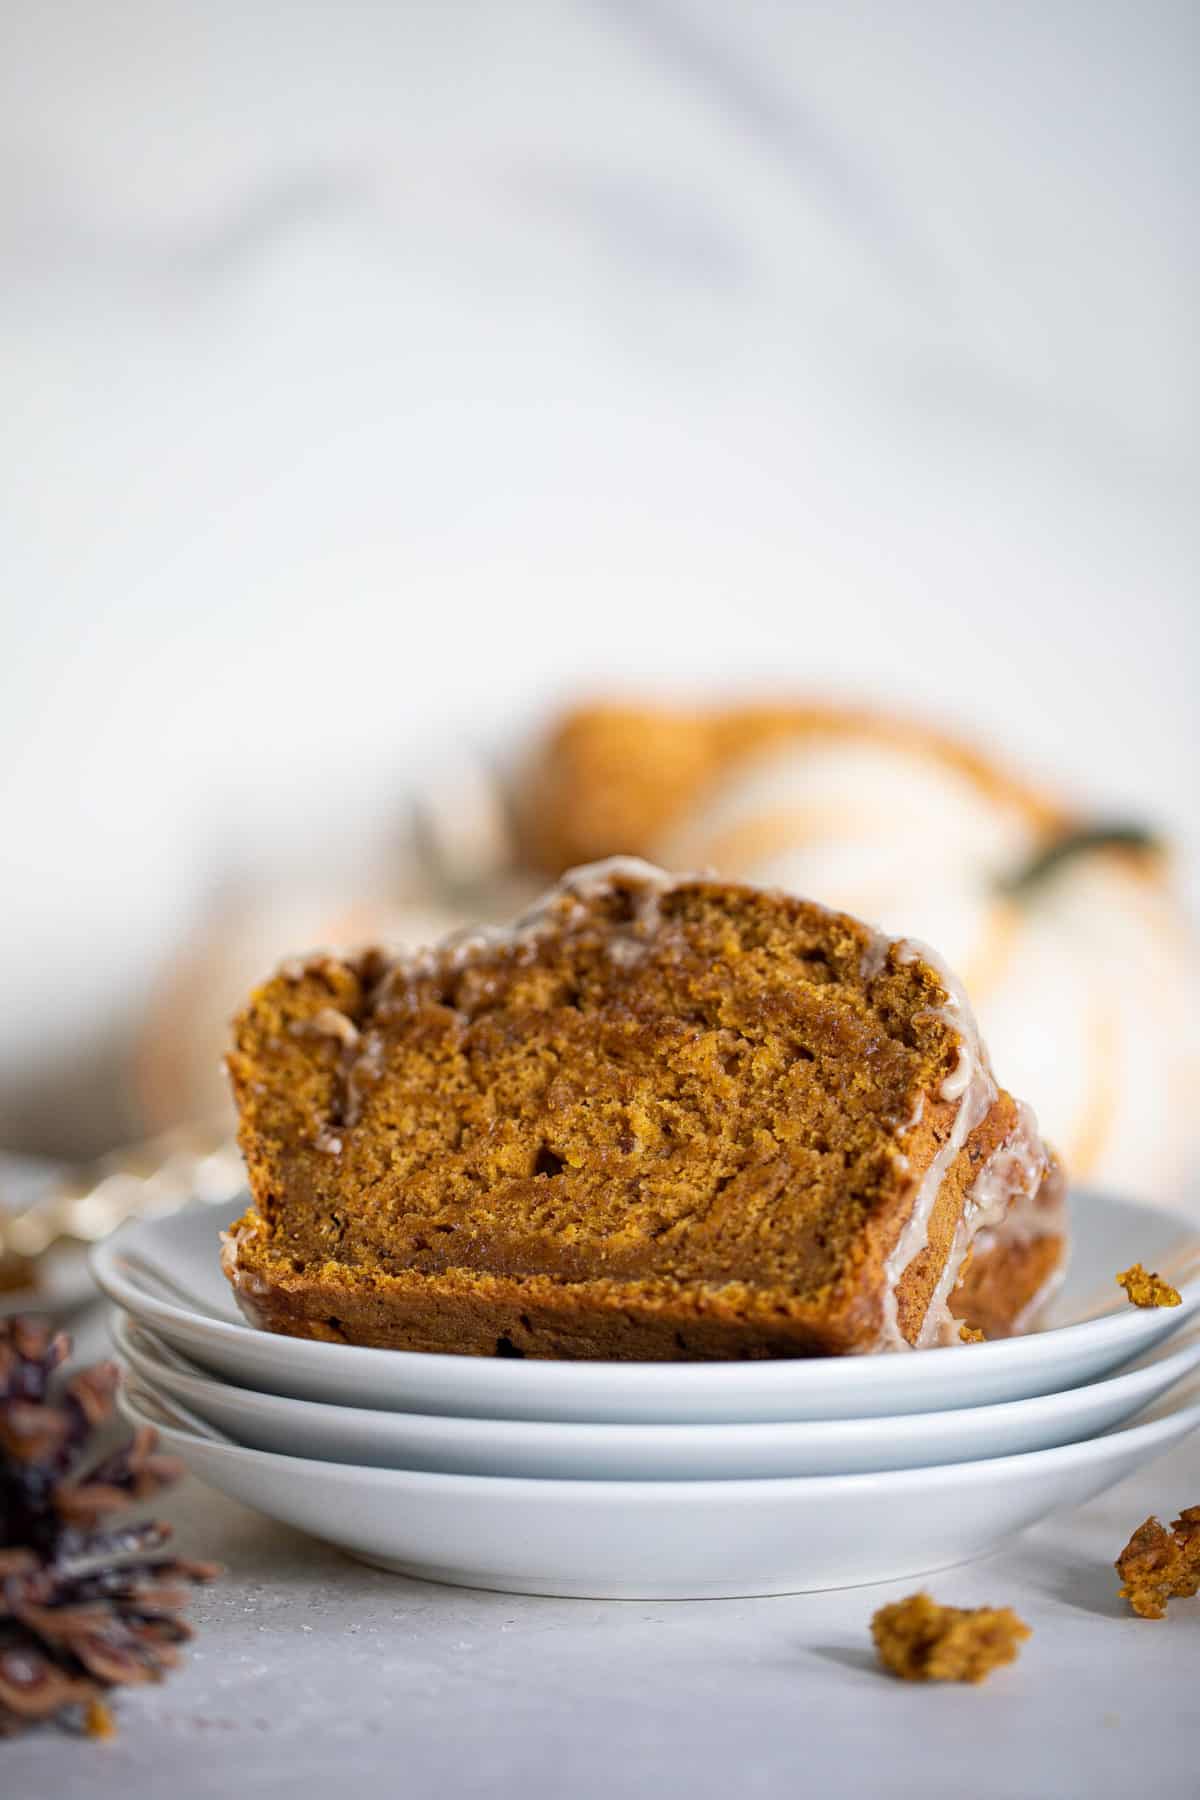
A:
[1178,1420]
[650,1377]
[683,1432]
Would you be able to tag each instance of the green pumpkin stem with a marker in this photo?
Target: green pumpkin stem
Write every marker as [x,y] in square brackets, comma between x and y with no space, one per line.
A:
[1078,840]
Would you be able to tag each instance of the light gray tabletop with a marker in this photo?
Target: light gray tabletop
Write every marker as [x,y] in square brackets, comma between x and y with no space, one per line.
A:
[311,1675]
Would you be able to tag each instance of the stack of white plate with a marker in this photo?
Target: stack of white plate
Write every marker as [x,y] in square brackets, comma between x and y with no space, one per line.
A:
[662,1480]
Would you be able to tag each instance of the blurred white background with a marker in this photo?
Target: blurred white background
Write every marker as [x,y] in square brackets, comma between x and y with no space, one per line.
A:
[375,375]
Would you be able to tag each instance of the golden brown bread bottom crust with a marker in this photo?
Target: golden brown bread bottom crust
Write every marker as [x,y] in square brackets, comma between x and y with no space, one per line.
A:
[505,1316]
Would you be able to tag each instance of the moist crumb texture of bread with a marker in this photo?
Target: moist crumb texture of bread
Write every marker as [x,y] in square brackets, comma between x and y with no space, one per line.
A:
[659,1118]
[918,1640]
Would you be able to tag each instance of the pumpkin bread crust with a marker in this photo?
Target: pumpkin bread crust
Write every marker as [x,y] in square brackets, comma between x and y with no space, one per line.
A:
[659,1119]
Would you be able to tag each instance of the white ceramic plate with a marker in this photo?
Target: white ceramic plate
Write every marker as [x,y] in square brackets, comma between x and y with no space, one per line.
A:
[574,1451]
[666,1540]
[166,1272]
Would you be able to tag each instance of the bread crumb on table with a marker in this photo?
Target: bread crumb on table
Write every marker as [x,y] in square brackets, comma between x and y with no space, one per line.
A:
[98,1721]
[1158,1565]
[970,1334]
[918,1640]
[1147,1289]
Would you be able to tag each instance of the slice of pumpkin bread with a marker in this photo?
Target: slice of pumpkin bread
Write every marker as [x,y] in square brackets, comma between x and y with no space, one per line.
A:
[657,1119]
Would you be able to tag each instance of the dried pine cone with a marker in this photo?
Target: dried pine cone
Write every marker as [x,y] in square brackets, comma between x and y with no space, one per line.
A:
[84,1607]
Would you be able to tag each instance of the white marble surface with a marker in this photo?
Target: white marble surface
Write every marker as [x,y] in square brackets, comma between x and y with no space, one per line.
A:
[370,374]
[313,1676]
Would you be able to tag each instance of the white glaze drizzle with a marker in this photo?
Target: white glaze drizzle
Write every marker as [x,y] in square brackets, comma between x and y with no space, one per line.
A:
[875,956]
[329,1022]
[593,881]
[973,1086]
[1002,1202]
[1033,1212]
[363,1072]
[1013,1174]
[564,903]
[915,1117]
[246,1283]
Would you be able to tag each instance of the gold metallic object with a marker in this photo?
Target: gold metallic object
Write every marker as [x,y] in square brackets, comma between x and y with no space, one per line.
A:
[139,1181]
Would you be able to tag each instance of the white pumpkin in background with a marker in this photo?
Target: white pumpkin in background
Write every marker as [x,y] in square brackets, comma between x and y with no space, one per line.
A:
[1076,956]
[1071,941]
